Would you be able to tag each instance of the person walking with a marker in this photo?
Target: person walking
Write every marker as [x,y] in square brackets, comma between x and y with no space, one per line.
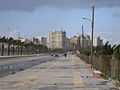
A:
[65,55]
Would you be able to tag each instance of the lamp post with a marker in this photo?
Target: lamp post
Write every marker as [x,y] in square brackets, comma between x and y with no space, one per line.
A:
[82,36]
[92,31]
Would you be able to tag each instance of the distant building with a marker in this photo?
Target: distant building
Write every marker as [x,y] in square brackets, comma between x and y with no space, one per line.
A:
[21,39]
[27,41]
[86,42]
[75,42]
[98,42]
[57,40]
[43,41]
[81,41]
[36,41]
[68,45]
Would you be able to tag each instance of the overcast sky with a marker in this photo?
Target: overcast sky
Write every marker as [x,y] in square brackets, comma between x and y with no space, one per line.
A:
[38,17]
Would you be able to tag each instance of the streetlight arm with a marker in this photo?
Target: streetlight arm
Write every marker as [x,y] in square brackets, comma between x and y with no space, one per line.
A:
[84,18]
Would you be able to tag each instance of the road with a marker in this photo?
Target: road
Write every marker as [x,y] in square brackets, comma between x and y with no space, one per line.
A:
[13,65]
[69,73]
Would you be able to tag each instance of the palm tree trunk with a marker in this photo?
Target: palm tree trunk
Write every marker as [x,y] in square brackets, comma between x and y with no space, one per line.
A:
[18,50]
[2,51]
[13,51]
[39,50]
[8,49]
[21,52]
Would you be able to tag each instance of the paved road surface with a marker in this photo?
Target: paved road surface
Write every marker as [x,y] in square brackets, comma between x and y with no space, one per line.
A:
[13,65]
[60,74]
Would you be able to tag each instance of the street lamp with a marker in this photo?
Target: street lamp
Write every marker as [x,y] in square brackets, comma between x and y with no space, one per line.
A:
[82,36]
[91,45]
[92,31]
[84,18]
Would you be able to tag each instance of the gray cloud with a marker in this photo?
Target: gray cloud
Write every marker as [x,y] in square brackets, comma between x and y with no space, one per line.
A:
[29,5]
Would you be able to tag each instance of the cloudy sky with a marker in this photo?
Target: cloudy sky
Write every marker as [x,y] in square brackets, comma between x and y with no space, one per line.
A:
[30,18]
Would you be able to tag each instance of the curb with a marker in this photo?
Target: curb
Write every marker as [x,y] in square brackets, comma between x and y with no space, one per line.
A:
[19,56]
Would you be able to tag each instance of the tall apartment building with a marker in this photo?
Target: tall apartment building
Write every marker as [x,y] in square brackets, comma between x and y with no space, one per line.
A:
[57,40]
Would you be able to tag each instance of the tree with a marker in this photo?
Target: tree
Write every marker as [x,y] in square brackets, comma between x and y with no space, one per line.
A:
[18,44]
[10,42]
[2,40]
[85,51]
[29,48]
[21,50]
[107,49]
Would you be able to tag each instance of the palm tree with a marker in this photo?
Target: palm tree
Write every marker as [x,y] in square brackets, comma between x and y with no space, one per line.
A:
[18,43]
[10,42]
[42,48]
[15,51]
[27,48]
[13,48]
[32,48]
[21,47]
[2,40]
[107,49]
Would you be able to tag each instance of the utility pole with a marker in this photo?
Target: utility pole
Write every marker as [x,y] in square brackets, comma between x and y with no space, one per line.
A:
[92,33]
[82,36]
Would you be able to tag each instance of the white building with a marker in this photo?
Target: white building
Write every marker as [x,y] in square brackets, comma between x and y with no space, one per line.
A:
[56,40]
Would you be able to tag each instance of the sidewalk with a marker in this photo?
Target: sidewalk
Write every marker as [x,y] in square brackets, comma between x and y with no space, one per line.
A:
[60,74]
